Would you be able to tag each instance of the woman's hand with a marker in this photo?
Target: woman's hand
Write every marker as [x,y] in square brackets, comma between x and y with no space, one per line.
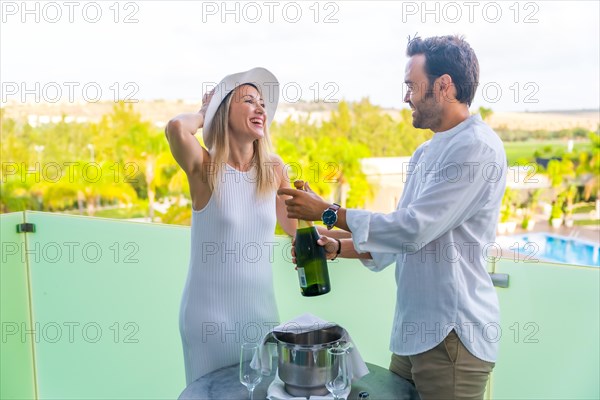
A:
[205,101]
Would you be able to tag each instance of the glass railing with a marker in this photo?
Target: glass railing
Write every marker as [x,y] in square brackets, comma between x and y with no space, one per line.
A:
[90,310]
[550,347]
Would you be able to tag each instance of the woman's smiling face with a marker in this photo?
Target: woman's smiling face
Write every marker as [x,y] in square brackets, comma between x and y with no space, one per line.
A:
[247,113]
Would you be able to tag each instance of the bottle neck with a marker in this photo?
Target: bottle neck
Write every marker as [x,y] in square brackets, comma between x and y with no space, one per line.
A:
[304,224]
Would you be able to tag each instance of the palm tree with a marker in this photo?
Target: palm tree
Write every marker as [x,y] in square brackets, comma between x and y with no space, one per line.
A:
[139,145]
[592,183]
[81,186]
[158,160]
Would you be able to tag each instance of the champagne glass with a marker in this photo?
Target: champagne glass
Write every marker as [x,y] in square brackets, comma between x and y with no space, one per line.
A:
[250,367]
[338,377]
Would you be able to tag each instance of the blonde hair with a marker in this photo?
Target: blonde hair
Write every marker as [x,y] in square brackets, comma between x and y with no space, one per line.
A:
[218,146]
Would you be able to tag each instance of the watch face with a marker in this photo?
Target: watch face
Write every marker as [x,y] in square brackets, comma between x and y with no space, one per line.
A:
[329,217]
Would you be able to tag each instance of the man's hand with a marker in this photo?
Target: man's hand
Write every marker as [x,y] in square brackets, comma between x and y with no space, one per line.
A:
[329,244]
[306,205]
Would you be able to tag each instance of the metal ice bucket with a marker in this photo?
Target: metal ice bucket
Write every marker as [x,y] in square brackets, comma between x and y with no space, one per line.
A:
[303,358]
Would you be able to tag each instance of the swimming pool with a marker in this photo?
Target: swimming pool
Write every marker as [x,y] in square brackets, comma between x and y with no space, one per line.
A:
[554,248]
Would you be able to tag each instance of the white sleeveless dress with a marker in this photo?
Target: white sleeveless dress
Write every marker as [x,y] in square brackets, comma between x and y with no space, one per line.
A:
[228,297]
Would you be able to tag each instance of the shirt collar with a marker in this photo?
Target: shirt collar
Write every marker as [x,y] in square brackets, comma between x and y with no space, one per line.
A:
[453,131]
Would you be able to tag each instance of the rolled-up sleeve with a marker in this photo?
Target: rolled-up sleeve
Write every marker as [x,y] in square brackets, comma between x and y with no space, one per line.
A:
[380,261]
[358,222]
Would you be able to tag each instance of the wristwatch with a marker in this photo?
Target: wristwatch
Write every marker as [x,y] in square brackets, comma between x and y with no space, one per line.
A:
[329,216]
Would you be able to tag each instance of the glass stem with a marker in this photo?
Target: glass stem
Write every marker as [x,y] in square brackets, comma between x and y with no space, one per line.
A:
[251,394]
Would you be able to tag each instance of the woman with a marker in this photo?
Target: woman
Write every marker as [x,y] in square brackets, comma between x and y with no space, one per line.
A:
[228,297]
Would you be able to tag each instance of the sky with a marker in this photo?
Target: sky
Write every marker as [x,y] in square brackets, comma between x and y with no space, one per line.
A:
[533,55]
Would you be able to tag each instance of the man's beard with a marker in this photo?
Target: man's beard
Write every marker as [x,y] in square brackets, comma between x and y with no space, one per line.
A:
[428,114]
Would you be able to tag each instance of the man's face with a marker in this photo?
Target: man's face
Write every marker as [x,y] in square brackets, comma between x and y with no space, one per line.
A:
[427,109]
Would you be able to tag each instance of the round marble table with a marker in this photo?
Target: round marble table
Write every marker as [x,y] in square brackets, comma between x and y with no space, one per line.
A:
[224,384]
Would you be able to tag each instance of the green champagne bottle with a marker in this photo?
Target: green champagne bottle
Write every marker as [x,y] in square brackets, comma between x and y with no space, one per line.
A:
[310,258]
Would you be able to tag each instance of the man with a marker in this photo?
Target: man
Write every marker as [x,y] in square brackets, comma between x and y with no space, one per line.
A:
[446,323]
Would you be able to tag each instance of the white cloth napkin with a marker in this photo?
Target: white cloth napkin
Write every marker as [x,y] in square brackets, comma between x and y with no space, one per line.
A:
[307,323]
[276,391]
[303,323]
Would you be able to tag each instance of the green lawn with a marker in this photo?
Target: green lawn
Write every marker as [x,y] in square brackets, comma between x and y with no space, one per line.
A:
[521,151]
[584,208]
[123,213]
[138,210]
[587,222]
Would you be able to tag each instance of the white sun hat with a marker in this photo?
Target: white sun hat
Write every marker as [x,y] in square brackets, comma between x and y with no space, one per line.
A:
[262,78]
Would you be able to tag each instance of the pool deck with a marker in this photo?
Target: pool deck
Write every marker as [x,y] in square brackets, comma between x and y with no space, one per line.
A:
[590,233]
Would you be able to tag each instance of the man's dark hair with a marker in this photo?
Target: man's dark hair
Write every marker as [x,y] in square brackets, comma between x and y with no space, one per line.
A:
[450,55]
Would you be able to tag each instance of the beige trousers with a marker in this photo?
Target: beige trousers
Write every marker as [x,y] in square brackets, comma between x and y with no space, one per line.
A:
[448,371]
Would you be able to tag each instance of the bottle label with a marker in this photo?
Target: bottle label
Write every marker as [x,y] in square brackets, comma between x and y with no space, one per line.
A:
[302,277]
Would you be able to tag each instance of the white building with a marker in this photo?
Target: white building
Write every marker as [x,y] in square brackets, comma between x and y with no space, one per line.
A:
[387,176]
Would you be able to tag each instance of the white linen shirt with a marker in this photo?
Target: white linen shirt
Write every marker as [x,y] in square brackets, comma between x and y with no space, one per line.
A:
[438,236]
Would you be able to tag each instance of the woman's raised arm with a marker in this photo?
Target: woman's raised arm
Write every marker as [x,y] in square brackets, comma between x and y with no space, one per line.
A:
[185,148]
